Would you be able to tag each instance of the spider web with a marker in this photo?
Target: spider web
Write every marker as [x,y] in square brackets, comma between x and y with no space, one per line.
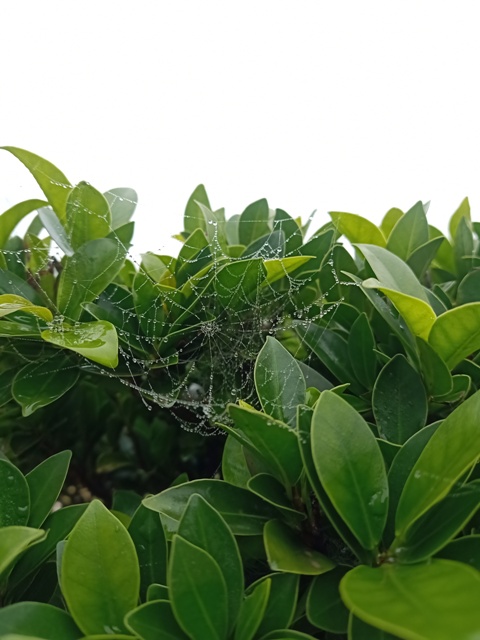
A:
[212,363]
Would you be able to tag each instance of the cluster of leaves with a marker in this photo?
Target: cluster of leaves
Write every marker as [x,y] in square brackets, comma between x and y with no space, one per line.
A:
[349,489]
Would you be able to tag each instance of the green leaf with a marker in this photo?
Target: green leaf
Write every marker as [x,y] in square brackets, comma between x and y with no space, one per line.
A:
[409,233]
[252,610]
[154,621]
[286,552]
[350,466]
[10,218]
[418,314]
[40,383]
[88,215]
[293,233]
[45,483]
[237,283]
[282,601]
[359,630]
[194,256]
[357,229]
[279,382]
[234,465]
[399,401]
[10,303]
[271,490]
[456,333]
[193,218]
[38,253]
[14,540]
[198,592]
[325,608]
[419,261]
[469,288]
[440,524]
[159,268]
[38,620]
[392,272]
[199,520]
[57,526]
[51,180]
[96,341]
[463,211]
[87,273]
[274,441]
[361,347]
[465,549]
[14,496]
[253,222]
[463,248]
[146,531]
[282,267]
[445,458]
[438,380]
[435,601]
[390,219]
[122,202]
[55,229]
[287,634]
[100,582]
[243,511]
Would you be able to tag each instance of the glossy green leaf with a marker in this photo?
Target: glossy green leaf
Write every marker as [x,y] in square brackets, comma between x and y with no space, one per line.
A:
[361,346]
[271,490]
[465,549]
[57,526]
[274,441]
[286,552]
[418,315]
[325,608]
[350,466]
[438,380]
[146,531]
[198,592]
[10,303]
[87,273]
[157,592]
[440,524]
[14,540]
[193,218]
[234,465]
[100,582]
[88,215]
[442,462]
[435,601]
[456,333]
[252,610]
[244,512]
[51,180]
[357,229]
[463,211]
[282,601]
[38,620]
[253,222]
[155,621]
[399,401]
[392,272]
[97,341]
[45,482]
[409,233]
[41,383]
[279,382]
[196,526]
[14,496]
[359,630]
[10,218]
[122,202]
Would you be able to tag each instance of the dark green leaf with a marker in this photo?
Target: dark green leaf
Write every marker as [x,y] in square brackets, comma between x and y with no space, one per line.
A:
[14,496]
[45,483]
[361,346]
[282,601]
[325,608]
[465,549]
[154,621]
[438,380]
[469,288]
[147,533]
[253,222]
[252,610]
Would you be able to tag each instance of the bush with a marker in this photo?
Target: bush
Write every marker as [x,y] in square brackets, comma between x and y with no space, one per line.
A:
[345,500]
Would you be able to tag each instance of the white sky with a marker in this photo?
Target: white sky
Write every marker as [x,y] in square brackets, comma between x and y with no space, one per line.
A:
[354,105]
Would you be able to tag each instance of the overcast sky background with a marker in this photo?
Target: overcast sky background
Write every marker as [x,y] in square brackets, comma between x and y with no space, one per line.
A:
[315,104]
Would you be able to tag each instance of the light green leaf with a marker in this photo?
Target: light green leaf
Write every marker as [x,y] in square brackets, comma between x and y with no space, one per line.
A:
[390,219]
[357,229]
[350,466]
[456,333]
[281,267]
[450,452]
[100,582]
[45,482]
[279,382]
[392,272]
[37,620]
[198,592]
[435,601]
[10,303]
[399,400]
[122,202]
[55,228]
[418,314]
[193,218]
[51,180]
[287,553]
[253,222]
[463,211]
[409,233]
[234,465]
[14,540]
[14,496]
[97,341]
[10,218]
[88,215]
